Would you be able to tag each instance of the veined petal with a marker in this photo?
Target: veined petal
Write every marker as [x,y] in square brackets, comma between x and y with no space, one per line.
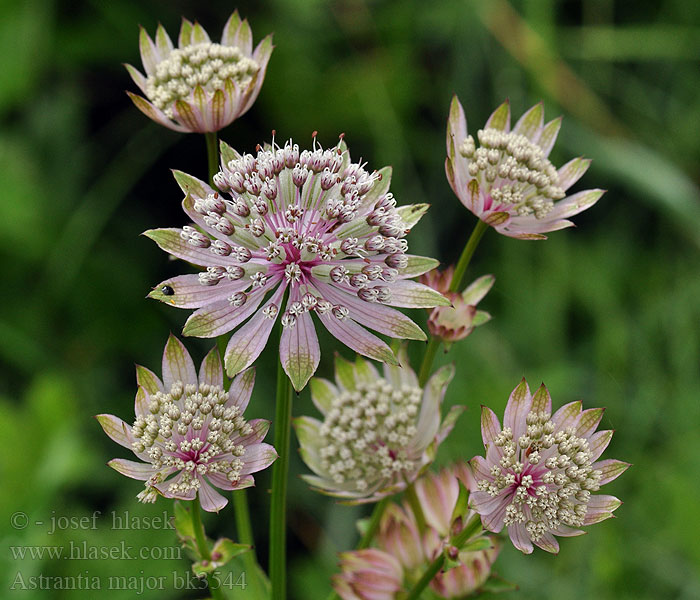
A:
[548,542]
[378,317]
[177,364]
[185,37]
[199,34]
[211,371]
[244,38]
[186,291]
[210,499]
[478,289]
[517,408]
[299,351]
[149,54]
[417,265]
[500,118]
[411,294]
[611,469]
[357,338]
[573,205]
[531,123]
[148,380]
[549,135]
[412,213]
[189,115]
[248,342]
[241,389]
[598,442]
[520,538]
[344,373]
[257,458]
[567,415]
[228,37]
[433,393]
[365,371]
[260,427]
[133,469]
[572,171]
[588,421]
[163,42]
[137,77]
[116,429]
[542,401]
[323,392]
[456,127]
[154,113]
[490,425]
[402,373]
[191,185]
[219,317]
[170,240]
[141,402]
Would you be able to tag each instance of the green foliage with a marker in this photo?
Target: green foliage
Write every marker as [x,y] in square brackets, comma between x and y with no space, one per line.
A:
[606,313]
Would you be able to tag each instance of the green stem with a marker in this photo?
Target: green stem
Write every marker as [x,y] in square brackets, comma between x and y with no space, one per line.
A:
[202,546]
[244,528]
[212,154]
[428,359]
[466,256]
[373,525]
[280,469]
[456,284]
[414,502]
[469,531]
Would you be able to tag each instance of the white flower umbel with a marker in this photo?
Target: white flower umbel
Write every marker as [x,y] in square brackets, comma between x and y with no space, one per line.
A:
[378,433]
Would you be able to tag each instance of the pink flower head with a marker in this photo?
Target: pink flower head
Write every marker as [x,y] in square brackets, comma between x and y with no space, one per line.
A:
[190,432]
[508,181]
[378,434]
[541,470]
[201,86]
[456,322]
[313,224]
[368,574]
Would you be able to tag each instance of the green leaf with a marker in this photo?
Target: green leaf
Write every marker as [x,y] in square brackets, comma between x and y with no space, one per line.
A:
[227,152]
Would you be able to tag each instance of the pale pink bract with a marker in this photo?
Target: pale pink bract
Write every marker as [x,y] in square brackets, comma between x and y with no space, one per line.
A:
[508,182]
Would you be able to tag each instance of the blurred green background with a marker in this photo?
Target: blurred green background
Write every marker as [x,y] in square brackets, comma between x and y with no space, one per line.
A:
[607,312]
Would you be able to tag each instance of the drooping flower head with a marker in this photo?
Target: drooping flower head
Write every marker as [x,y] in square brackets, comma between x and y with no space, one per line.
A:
[201,86]
[541,470]
[507,180]
[312,223]
[190,432]
[378,433]
[456,322]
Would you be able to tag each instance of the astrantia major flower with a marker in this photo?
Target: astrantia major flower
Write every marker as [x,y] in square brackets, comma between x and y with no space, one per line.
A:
[541,470]
[505,178]
[190,432]
[313,224]
[456,322]
[378,433]
[201,86]
[369,574]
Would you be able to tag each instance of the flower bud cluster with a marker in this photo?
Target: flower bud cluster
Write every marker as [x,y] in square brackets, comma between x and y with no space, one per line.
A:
[208,65]
[517,171]
[190,429]
[366,432]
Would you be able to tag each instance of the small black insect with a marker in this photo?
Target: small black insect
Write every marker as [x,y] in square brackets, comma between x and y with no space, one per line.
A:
[167,290]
